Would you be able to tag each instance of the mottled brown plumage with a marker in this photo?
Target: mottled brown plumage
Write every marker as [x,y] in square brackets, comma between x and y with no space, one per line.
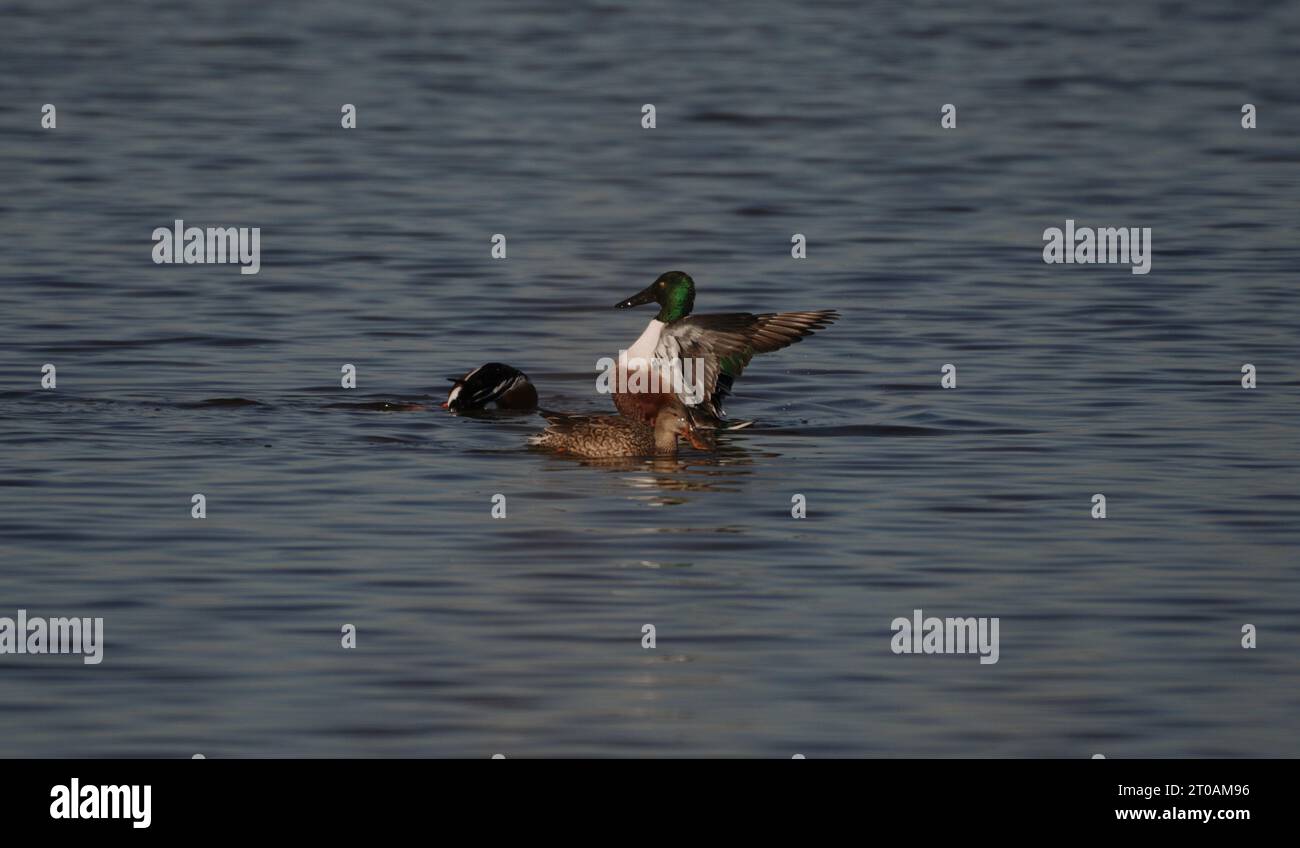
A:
[614,435]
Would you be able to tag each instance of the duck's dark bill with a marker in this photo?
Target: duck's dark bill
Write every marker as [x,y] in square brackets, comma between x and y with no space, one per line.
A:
[647,295]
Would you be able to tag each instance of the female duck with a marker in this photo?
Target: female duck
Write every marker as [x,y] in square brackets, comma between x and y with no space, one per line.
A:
[596,436]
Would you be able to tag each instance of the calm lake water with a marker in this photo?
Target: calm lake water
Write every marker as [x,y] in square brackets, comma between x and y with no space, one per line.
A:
[522,635]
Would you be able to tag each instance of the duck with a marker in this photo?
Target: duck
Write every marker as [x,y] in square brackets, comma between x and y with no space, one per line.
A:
[715,346]
[491,386]
[605,436]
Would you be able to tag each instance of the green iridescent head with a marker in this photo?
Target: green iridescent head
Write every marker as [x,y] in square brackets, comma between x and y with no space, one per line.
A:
[674,292]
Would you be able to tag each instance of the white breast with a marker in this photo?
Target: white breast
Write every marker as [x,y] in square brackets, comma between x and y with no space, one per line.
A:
[645,345]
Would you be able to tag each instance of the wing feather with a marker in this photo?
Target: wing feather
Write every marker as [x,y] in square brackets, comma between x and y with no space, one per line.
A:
[725,344]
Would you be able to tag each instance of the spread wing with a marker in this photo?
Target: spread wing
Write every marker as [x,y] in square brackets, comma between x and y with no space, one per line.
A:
[724,344]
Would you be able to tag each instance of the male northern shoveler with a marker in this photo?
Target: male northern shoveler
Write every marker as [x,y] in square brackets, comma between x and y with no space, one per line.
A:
[491,385]
[723,343]
[599,436]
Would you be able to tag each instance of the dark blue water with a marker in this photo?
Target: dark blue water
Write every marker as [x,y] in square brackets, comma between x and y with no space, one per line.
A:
[522,635]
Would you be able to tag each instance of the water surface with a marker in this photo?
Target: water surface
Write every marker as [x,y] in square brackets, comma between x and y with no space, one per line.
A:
[523,635]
